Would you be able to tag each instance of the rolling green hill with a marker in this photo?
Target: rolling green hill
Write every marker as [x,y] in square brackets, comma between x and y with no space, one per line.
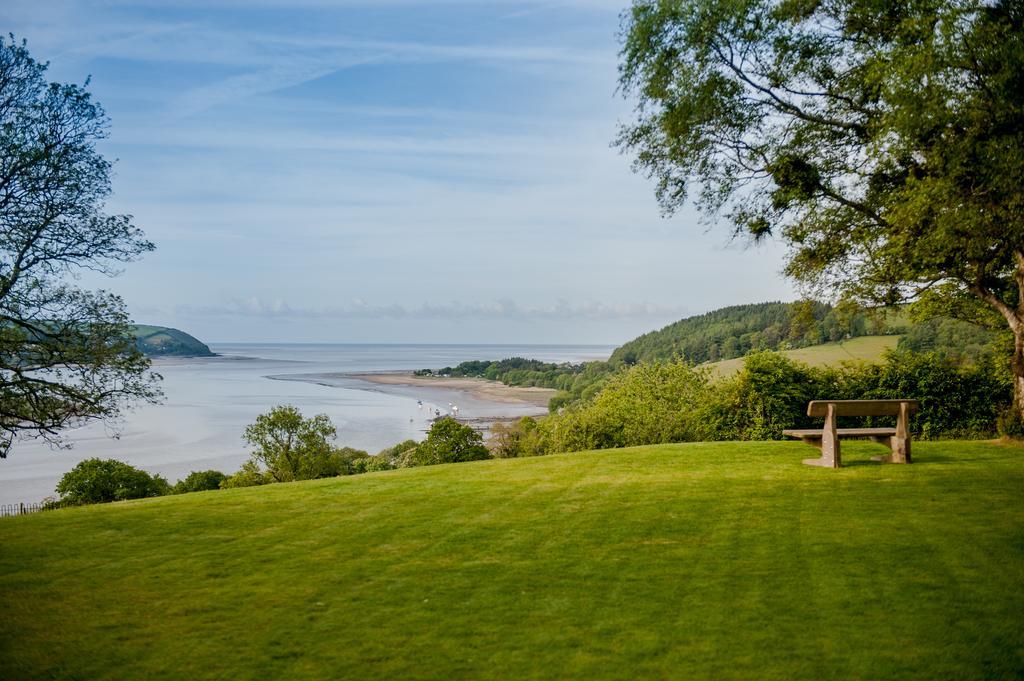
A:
[725,335]
[162,341]
[702,561]
[862,349]
[807,331]
[736,330]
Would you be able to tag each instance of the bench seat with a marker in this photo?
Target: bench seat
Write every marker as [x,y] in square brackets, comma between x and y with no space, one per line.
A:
[817,434]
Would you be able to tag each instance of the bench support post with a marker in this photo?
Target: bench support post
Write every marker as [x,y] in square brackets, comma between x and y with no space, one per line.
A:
[830,457]
[900,443]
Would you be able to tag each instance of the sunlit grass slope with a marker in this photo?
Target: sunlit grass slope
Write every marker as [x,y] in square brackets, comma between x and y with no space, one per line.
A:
[715,561]
[860,349]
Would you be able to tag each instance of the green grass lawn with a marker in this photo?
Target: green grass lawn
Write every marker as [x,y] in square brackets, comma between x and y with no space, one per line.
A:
[716,561]
[860,349]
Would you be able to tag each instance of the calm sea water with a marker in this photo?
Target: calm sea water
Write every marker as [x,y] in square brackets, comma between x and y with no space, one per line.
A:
[208,402]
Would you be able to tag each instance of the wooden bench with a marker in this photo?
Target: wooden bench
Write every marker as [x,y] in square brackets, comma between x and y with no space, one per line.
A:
[827,439]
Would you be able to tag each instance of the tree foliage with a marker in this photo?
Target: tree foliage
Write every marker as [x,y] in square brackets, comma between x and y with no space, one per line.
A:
[736,330]
[721,334]
[288,446]
[957,340]
[676,402]
[448,442]
[199,481]
[882,140]
[66,354]
[97,481]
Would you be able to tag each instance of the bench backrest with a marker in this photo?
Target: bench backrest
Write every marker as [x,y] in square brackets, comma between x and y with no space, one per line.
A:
[819,408]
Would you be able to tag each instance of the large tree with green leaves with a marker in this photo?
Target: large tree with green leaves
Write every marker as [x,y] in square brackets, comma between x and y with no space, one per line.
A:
[882,140]
[66,354]
[292,447]
[449,442]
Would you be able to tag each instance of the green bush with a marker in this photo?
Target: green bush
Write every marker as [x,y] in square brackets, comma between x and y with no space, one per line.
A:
[370,464]
[645,404]
[769,394]
[396,456]
[656,403]
[249,475]
[1010,424]
[96,481]
[448,442]
[199,481]
[286,446]
[956,401]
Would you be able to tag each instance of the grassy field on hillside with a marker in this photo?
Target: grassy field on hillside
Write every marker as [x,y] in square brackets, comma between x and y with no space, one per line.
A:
[710,560]
[861,349]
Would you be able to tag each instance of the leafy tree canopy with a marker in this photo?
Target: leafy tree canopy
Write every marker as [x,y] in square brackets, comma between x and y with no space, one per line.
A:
[199,481]
[66,354]
[291,447]
[883,140]
[96,481]
[449,442]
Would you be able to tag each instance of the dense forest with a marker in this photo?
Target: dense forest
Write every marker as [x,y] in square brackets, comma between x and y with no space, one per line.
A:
[737,330]
[956,340]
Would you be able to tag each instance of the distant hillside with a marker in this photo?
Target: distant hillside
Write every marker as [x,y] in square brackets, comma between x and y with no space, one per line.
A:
[860,349]
[807,331]
[736,330]
[161,341]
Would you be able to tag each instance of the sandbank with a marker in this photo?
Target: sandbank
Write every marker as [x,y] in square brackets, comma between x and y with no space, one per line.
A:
[480,388]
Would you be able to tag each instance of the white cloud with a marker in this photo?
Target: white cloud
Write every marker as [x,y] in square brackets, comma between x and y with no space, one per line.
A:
[283,160]
[501,309]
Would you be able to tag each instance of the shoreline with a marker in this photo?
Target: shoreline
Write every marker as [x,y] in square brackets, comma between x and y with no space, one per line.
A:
[478,388]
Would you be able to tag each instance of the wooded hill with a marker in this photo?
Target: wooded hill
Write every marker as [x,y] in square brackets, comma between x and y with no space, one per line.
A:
[735,331]
[162,341]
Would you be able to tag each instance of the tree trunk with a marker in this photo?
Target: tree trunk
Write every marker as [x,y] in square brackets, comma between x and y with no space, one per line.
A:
[1017,370]
[1015,319]
[1017,363]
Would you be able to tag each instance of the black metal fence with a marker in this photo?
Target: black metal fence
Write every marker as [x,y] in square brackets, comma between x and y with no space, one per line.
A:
[8,510]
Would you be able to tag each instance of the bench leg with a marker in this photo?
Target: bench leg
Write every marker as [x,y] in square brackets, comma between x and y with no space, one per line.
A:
[900,443]
[830,457]
[900,450]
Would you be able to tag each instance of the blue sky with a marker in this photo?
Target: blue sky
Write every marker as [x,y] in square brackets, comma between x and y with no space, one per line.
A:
[384,171]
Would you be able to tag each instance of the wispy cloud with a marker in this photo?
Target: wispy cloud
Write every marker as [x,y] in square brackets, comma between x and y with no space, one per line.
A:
[501,309]
[399,151]
[237,88]
[195,42]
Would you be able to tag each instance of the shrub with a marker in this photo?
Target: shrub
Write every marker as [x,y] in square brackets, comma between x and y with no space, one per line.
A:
[448,442]
[646,404]
[287,446]
[249,475]
[96,481]
[505,441]
[371,464]
[199,481]
[956,401]
[397,456]
[769,394]
[656,403]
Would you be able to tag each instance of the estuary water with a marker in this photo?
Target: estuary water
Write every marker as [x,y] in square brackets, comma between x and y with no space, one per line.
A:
[209,401]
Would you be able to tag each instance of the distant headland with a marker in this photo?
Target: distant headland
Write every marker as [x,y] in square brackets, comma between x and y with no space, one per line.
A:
[163,341]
